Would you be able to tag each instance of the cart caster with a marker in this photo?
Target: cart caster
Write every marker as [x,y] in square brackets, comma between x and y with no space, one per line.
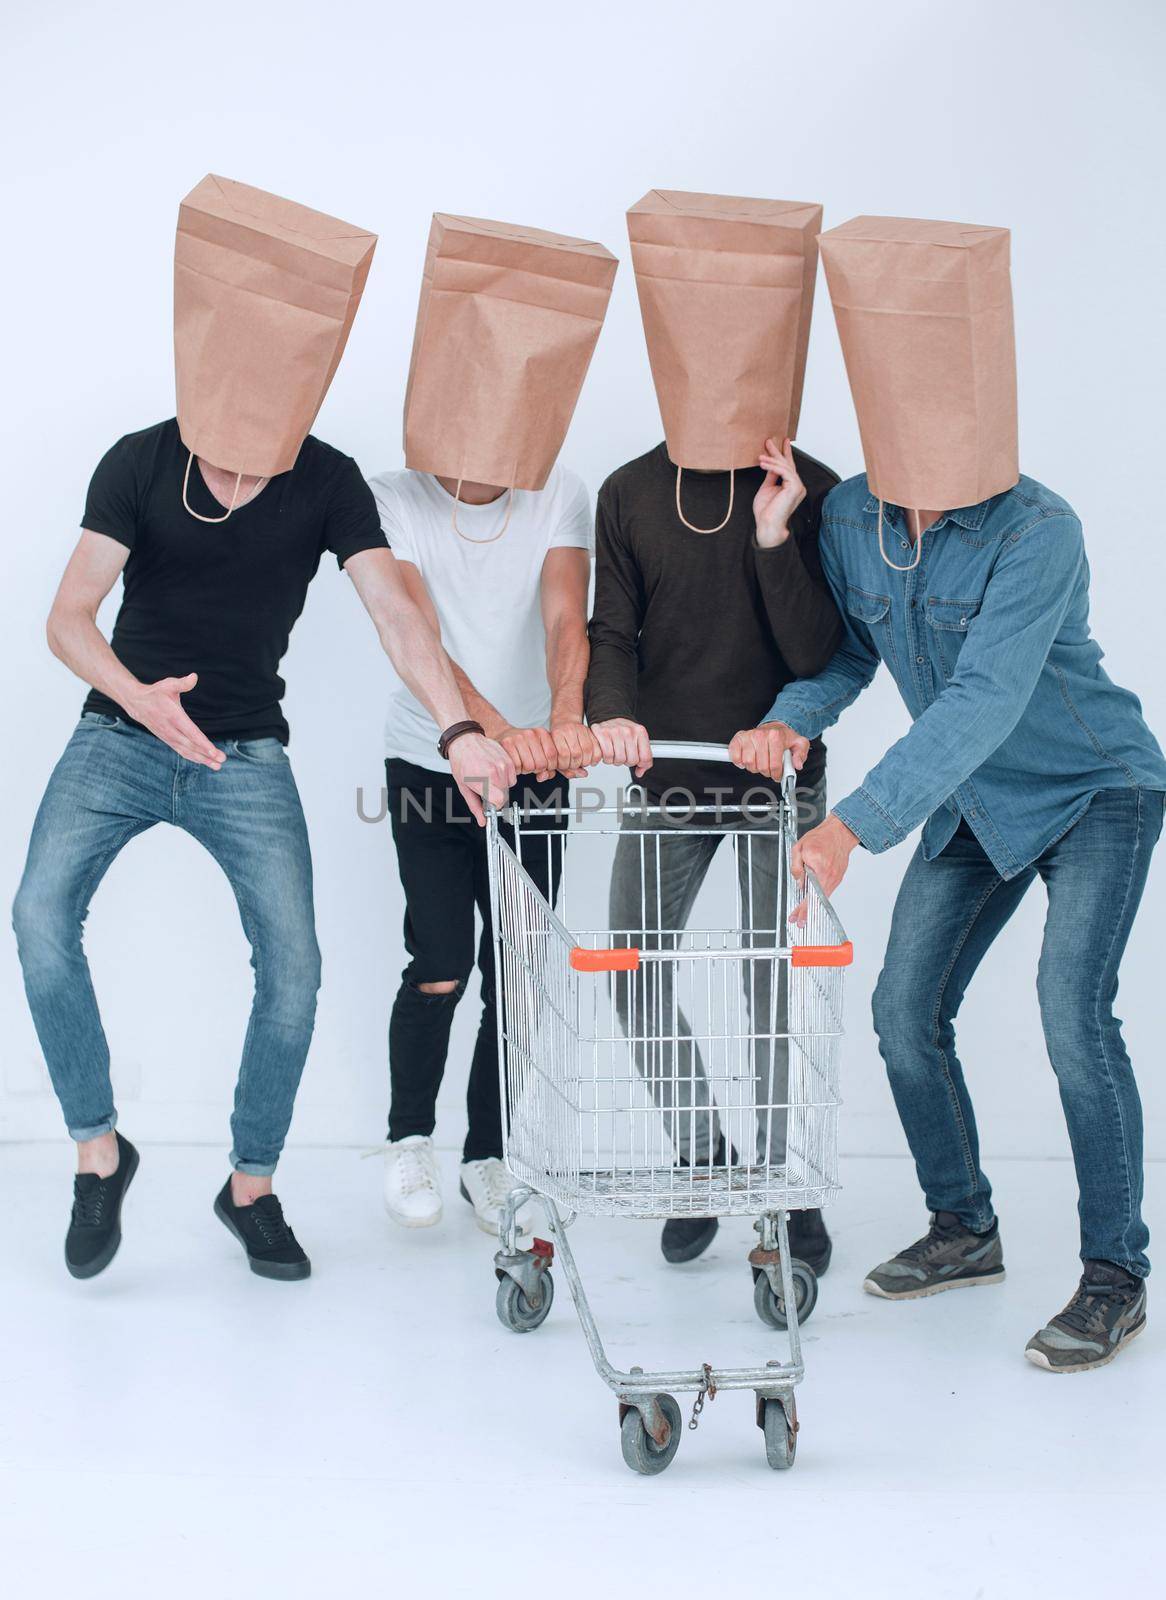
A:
[518,1312]
[640,1451]
[770,1307]
[778,1420]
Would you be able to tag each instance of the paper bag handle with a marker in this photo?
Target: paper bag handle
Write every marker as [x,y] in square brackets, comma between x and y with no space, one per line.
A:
[728,513]
[494,537]
[911,565]
[234,493]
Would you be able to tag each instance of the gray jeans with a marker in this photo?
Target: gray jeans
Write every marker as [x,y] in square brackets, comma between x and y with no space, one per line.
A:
[655,880]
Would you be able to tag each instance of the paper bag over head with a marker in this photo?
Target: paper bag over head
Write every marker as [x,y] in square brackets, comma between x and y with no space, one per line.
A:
[506,326]
[924,313]
[265,292]
[726,289]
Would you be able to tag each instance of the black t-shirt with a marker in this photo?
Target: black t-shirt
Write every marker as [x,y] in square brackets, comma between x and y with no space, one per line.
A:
[220,599]
[694,634]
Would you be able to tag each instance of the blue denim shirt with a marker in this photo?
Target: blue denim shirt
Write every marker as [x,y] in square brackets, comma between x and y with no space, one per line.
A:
[1014,722]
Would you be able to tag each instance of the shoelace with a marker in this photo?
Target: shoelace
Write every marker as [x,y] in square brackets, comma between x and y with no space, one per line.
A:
[933,1239]
[497,1181]
[1085,1312]
[414,1171]
[267,1214]
[89,1204]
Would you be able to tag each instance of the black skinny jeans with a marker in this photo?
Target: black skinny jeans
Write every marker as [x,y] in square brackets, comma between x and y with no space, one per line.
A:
[441,856]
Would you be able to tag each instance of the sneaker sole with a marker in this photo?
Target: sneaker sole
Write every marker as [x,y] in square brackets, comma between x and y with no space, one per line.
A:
[280,1271]
[871,1287]
[412,1222]
[102,1260]
[1039,1359]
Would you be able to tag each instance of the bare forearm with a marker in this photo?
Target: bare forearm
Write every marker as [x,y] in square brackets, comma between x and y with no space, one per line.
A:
[403,614]
[414,648]
[568,657]
[75,639]
[494,724]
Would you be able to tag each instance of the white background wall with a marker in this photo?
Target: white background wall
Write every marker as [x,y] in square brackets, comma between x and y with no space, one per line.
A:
[1046,119]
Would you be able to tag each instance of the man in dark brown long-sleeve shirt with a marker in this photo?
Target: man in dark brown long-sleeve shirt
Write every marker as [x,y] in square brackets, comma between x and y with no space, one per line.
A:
[692,635]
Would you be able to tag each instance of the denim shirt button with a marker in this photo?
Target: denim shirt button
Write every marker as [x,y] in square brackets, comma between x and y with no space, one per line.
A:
[919,659]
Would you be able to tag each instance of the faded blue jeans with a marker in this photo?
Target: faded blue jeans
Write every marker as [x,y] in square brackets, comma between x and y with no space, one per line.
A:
[113,782]
[948,913]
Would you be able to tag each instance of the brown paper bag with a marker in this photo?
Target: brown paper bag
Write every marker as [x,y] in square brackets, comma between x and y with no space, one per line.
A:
[924,313]
[264,296]
[726,289]
[506,325]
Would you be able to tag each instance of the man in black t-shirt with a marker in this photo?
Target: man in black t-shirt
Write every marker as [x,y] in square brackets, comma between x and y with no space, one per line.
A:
[690,630]
[184,725]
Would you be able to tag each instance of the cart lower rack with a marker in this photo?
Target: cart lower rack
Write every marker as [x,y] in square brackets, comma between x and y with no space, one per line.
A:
[661,1063]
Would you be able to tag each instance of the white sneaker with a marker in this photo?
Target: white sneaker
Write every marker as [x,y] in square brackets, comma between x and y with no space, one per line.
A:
[412,1182]
[486,1184]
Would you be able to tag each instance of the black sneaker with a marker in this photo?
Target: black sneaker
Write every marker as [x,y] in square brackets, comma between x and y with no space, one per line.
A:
[271,1246]
[1108,1310]
[95,1226]
[685,1238]
[809,1241]
[949,1256]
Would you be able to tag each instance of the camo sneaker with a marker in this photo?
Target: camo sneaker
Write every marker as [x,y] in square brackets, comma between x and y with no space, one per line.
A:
[949,1256]
[1108,1310]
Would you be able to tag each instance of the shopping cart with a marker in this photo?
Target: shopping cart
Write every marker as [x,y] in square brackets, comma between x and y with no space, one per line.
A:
[664,1072]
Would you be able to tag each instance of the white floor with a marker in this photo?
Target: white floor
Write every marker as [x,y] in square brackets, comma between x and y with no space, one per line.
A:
[179,1427]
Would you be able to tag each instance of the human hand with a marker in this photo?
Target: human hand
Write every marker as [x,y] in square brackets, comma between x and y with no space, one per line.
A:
[158,706]
[624,743]
[825,851]
[531,750]
[482,770]
[577,747]
[761,749]
[779,496]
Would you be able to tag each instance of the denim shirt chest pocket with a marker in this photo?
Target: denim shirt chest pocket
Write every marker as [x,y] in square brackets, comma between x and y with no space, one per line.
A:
[873,612]
[948,623]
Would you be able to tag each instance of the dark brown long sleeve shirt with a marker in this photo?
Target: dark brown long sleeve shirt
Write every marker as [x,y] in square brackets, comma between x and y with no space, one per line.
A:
[694,634]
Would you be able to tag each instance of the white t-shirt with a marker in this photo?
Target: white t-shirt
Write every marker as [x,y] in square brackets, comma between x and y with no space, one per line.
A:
[486,594]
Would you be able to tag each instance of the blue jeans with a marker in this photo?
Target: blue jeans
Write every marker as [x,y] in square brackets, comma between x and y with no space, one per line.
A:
[948,912]
[113,782]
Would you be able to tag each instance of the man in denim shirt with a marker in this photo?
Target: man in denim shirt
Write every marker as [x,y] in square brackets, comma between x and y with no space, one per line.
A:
[1024,760]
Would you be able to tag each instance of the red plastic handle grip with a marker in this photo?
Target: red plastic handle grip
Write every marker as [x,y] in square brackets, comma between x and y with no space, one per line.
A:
[822,955]
[622,960]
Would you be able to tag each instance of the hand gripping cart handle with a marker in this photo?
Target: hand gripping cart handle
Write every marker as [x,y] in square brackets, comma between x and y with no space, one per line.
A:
[657,1071]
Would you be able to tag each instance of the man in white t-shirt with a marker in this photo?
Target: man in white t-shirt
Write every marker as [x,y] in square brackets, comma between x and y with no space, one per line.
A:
[504,573]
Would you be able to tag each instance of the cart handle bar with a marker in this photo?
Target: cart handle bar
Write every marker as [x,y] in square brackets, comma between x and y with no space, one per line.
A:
[628,958]
[691,750]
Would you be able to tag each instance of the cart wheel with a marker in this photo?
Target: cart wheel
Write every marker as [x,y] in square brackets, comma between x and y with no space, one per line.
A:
[781,1432]
[770,1307]
[640,1450]
[515,1310]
